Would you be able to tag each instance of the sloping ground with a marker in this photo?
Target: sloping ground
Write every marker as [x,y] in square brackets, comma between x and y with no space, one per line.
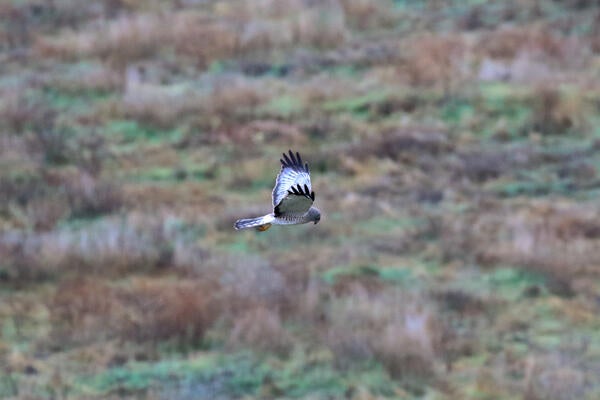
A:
[455,153]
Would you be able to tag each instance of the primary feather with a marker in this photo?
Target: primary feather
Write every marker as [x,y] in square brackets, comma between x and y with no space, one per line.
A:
[293,190]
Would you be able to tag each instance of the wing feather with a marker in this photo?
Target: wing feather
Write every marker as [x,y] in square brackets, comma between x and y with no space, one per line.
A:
[292,193]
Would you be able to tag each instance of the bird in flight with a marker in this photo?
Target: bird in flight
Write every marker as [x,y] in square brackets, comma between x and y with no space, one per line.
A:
[292,198]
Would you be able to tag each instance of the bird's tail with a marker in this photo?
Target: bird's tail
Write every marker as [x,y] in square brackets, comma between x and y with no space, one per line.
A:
[261,223]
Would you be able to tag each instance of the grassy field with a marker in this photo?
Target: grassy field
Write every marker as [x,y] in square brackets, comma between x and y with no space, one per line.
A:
[455,153]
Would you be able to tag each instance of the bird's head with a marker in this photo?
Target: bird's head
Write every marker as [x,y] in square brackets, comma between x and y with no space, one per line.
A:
[314,215]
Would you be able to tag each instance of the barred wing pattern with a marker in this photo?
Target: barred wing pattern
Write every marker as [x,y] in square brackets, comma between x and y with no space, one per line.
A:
[293,193]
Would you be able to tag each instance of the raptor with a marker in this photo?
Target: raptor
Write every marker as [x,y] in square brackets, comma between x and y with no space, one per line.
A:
[293,197]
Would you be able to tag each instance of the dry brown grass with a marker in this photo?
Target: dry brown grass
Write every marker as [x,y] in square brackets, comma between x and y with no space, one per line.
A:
[83,310]
[42,213]
[111,247]
[248,282]
[538,42]
[435,61]
[40,198]
[13,150]
[400,333]
[506,43]
[322,25]
[235,94]
[197,36]
[269,24]
[89,196]
[133,37]
[159,105]
[558,112]
[10,37]
[202,39]
[24,206]
[482,165]
[261,330]
[406,144]
[100,78]
[559,240]
[533,54]
[218,109]
[556,377]
[365,14]
[18,114]
[270,131]
[595,35]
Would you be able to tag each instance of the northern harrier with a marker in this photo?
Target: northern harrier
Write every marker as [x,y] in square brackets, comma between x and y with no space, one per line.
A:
[292,198]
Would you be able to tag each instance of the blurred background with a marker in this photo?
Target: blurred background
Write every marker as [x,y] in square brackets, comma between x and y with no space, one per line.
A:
[455,153]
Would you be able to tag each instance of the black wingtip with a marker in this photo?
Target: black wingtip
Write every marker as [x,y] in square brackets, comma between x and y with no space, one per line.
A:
[295,161]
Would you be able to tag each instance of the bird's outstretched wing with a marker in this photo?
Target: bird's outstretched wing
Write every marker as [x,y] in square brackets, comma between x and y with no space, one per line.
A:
[292,193]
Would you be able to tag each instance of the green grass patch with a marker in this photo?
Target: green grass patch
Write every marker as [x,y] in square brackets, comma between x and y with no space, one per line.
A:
[504,105]
[379,225]
[237,375]
[73,102]
[283,106]
[155,174]
[456,111]
[396,275]
[140,376]
[531,188]
[509,282]
[133,131]
[358,105]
